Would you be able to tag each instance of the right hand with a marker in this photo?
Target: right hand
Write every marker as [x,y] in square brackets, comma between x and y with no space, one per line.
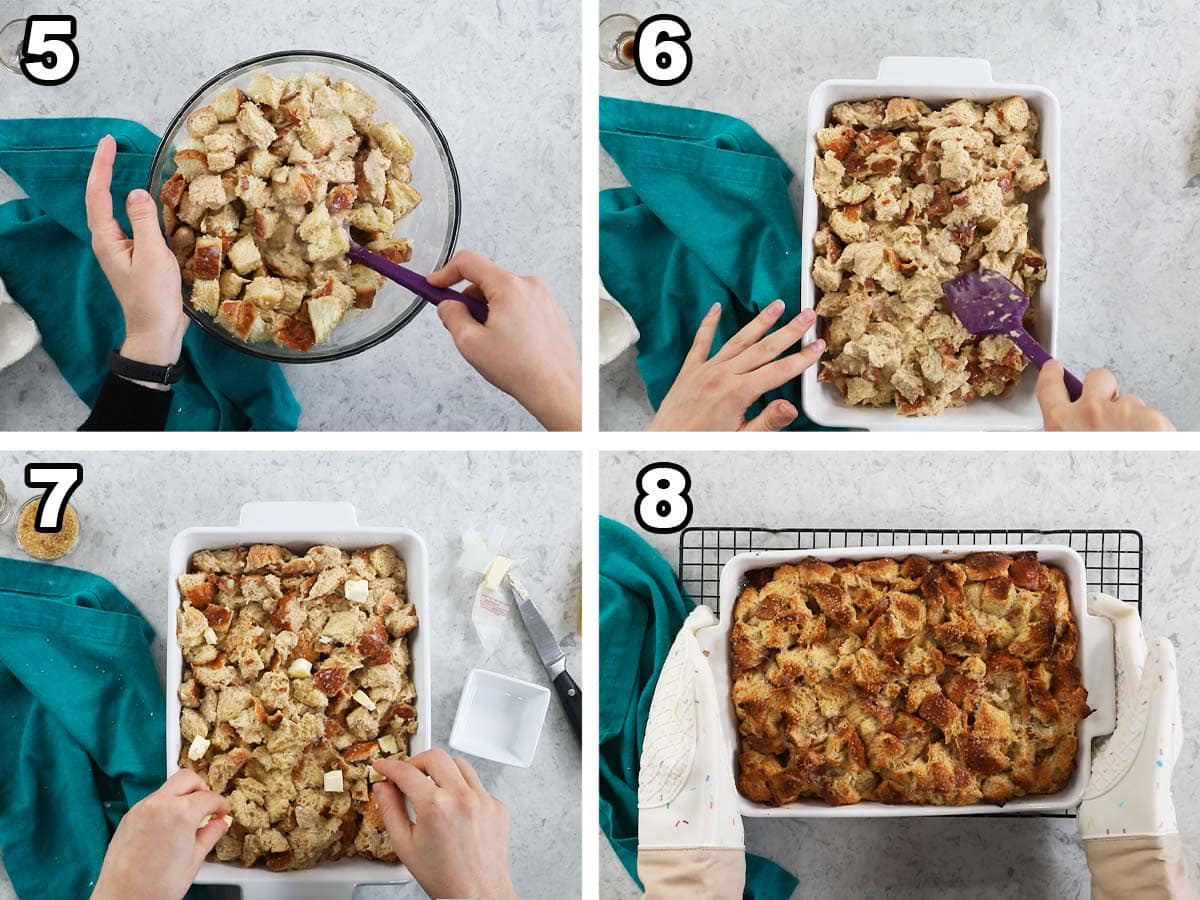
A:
[1101,407]
[458,845]
[143,272]
[714,394]
[525,349]
[159,845]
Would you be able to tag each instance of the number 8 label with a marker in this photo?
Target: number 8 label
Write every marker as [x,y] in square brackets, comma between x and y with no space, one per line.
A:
[663,505]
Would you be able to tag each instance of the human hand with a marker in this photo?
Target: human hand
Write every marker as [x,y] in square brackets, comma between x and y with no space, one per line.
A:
[525,349]
[714,394]
[159,845]
[458,844]
[143,272]
[1101,407]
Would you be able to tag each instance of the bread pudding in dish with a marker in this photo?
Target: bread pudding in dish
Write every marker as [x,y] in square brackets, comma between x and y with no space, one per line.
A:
[906,681]
[269,185]
[910,197]
[296,676]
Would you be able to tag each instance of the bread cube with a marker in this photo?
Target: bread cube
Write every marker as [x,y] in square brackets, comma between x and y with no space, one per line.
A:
[266,89]
[372,174]
[376,221]
[231,285]
[318,135]
[398,251]
[299,154]
[252,191]
[326,101]
[356,103]
[244,255]
[172,191]
[315,225]
[293,296]
[206,296]
[265,223]
[263,163]
[324,313]
[190,211]
[202,122]
[298,188]
[365,283]
[333,244]
[388,138]
[191,164]
[402,198]
[341,199]
[254,125]
[225,222]
[241,318]
[207,258]
[221,161]
[208,192]
[265,292]
[227,103]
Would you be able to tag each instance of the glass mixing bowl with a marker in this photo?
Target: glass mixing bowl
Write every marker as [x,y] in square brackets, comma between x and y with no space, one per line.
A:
[432,226]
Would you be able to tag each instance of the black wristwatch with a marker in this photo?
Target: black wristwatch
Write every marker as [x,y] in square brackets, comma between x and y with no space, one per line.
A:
[137,371]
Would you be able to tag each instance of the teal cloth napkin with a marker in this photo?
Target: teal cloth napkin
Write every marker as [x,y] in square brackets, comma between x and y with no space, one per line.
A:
[706,219]
[642,608]
[82,734]
[47,265]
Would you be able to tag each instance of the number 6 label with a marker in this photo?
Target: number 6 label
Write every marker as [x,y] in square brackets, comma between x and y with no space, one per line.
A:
[61,479]
[661,53]
[663,505]
[48,53]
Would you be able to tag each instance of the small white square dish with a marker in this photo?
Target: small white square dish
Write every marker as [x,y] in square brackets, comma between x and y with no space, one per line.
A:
[500,718]
[937,81]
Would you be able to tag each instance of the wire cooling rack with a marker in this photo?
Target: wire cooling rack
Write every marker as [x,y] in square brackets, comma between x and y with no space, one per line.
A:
[1113,560]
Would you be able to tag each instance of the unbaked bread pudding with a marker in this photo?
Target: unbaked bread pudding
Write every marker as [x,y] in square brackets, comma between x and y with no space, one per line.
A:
[945,683]
[911,197]
[296,676]
[268,184]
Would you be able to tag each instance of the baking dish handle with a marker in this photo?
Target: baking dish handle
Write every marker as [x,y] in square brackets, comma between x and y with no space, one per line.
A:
[1100,673]
[938,70]
[298,515]
[300,890]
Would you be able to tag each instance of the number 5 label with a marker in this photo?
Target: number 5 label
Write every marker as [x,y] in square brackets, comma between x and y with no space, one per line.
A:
[61,479]
[48,53]
[663,505]
[661,53]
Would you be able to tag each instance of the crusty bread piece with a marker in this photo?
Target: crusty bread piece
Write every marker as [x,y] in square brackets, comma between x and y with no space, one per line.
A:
[202,122]
[244,255]
[207,258]
[398,250]
[265,89]
[365,283]
[172,191]
[254,125]
[265,292]
[263,163]
[244,320]
[191,163]
[206,296]
[375,221]
[231,284]
[401,198]
[208,192]
[325,313]
[356,103]
[392,142]
[227,103]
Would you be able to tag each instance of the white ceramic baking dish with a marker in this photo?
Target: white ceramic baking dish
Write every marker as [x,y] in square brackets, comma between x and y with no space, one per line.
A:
[937,81]
[298,526]
[1095,656]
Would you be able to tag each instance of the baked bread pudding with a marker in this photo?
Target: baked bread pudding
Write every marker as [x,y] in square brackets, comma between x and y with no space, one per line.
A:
[943,683]
[910,197]
[296,676]
[266,185]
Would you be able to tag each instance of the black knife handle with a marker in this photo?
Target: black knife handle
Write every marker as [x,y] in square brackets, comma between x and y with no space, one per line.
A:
[572,701]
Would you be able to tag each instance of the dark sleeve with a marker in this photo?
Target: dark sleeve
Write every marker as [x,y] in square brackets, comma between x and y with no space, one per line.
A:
[125,406]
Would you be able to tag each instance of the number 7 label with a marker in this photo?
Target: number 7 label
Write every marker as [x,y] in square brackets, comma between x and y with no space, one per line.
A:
[62,479]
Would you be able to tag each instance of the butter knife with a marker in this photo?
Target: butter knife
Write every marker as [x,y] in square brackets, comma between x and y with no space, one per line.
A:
[551,655]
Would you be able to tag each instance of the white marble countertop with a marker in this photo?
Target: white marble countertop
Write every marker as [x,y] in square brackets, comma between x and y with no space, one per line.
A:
[480,68]
[963,856]
[1125,76]
[532,498]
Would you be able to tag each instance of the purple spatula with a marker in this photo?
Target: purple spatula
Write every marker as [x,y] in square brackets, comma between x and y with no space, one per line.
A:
[988,303]
[418,284]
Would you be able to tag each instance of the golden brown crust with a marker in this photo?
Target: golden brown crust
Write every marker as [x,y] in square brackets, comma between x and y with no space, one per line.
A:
[906,681]
[265,731]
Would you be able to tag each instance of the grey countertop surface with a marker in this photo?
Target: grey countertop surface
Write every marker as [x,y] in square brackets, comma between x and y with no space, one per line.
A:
[529,501]
[480,67]
[1125,75]
[842,859]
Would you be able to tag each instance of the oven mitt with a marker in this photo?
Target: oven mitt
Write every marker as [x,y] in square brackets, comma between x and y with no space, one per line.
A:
[47,263]
[690,841]
[706,219]
[1127,817]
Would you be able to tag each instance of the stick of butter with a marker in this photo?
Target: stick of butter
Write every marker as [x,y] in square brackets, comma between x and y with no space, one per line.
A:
[199,747]
[356,590]
[496,571]
[363,700]
[333,781]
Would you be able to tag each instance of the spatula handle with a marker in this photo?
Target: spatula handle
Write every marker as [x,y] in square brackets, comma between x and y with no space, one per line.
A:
[1039,357]
[416,283]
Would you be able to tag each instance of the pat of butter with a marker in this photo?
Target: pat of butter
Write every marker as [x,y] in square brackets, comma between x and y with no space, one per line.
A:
[300,668]
[199,747]
[496,571]
[356,590]
[229,821]
[333,781]
[387,744]
[373,776]
[363,700]
[210,636]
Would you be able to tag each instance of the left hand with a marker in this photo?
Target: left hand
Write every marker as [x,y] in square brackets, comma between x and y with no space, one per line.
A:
[159,845]
[143,272]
